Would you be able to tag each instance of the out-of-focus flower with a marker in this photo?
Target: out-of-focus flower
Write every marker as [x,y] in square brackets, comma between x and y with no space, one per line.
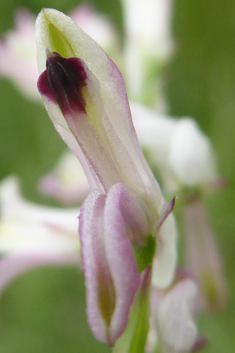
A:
[177,332]
[182,153]
[67,182]
[33,236]
[18,60]
[203,261]
[185,158]
[147,42]
[172,324]
[84,94]
[18,54]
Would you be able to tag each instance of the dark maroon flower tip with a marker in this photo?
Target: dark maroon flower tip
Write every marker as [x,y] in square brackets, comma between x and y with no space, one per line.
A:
[62,81]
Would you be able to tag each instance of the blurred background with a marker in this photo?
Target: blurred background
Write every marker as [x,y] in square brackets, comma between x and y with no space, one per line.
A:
[44,309]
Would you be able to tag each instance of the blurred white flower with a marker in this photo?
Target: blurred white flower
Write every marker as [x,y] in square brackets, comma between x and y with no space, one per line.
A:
[67,182]
[203,260]
[176,329]
[147,41]
[32,235]
[172,325]
[18,55]
[182,153]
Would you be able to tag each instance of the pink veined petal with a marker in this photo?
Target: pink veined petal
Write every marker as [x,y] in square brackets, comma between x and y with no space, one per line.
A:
[90,227]
[13,266]
[106,248]
[120,257]
[132,210]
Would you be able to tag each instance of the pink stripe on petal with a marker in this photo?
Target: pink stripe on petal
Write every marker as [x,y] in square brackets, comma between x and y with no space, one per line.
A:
[132,210]
[121,260]
[110,269]
[89,228]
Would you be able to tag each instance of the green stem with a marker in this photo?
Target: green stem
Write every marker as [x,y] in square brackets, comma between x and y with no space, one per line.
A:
[134,338]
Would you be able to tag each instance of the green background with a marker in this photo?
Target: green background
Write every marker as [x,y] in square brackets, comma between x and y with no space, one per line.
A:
[44,310]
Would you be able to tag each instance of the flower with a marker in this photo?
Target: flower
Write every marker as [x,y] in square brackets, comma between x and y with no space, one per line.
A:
[84,94]
[148,42]
[185,158]
[182,153]
[172,323]
[18,54]
[175,326]
[33,236]
[203,260]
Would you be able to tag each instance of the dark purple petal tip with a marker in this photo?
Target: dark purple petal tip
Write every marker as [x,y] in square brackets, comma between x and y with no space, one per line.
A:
[62,82]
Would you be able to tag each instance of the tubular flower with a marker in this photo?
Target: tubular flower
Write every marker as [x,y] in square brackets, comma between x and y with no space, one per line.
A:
[85,96]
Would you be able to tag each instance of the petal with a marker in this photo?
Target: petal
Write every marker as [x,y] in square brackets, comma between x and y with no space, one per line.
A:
[191,156]
[164,262]
[14,265]
[93,260]
[26,227]
[132,211]
[109,266]
[97,26]
[177,331]
[167,209]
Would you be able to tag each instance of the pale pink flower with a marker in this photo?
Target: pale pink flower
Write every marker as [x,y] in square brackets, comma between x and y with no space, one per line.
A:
[84,94]
[203,260]
[32,235]
[18,54]
[172,322]
[177,332]
[148,42]
[182,153]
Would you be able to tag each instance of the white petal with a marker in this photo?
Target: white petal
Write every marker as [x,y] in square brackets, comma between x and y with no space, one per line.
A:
[191,155]
[164,262]
[177,331]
